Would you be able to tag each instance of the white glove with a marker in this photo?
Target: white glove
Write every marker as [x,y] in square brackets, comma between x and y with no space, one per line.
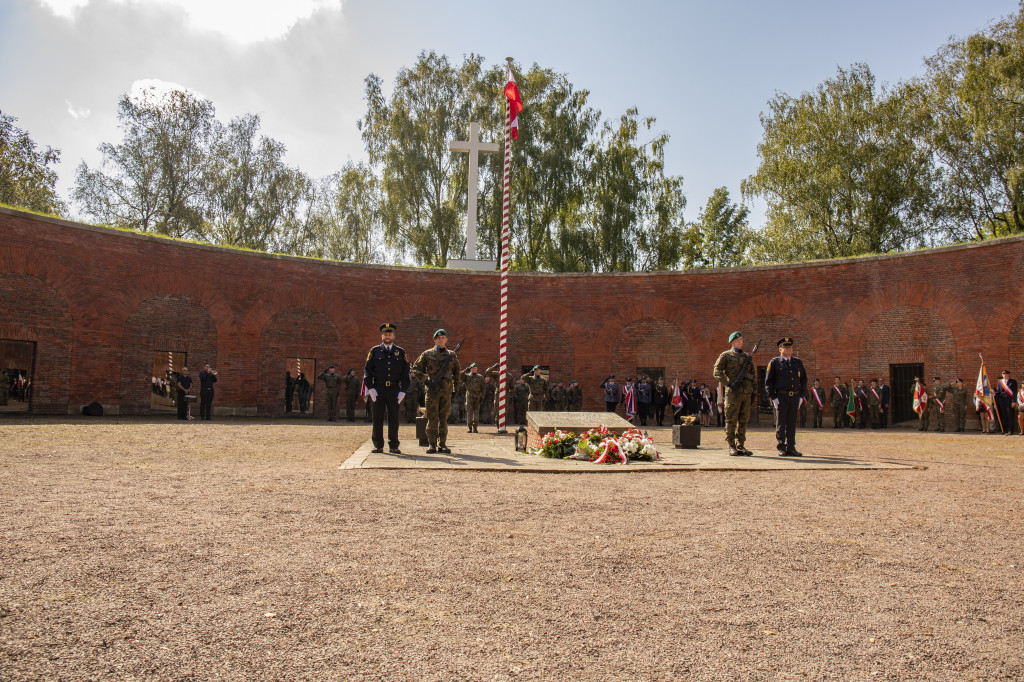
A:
[400,396]
[775,402]
[373,394]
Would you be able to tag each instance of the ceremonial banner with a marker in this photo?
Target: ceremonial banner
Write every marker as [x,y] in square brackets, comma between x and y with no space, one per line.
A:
[920,398]
[630,401]
[851,406]
[677,399]
[982,394]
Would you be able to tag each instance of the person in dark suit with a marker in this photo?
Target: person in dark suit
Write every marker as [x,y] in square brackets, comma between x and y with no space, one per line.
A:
[886,394]
[785,383]
[207,378]
[386,376]
[1006,400]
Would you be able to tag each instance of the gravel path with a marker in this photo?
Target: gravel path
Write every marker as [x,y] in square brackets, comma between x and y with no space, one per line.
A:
[238,551]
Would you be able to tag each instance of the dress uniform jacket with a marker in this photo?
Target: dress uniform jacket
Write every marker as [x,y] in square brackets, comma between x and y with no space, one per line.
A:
[386,370]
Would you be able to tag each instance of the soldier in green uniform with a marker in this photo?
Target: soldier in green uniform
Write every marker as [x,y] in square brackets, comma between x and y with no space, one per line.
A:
[859,403]
[474,383]
[838,398]
[558,397]
[458,413]
[538,389]
[521,397]
[937,402]
[816,397]
[353,385]
[332,382]
[493,373]
[441,383]
[960,397]
[574,396]
[735,373]
[412,399]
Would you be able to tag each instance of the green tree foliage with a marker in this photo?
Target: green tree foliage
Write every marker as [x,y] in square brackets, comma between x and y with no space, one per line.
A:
[250,192]
[154,179]
[720,236]
[26,177]
[843,165]
[548,186]
[344,222]
[406,137]
[974,97]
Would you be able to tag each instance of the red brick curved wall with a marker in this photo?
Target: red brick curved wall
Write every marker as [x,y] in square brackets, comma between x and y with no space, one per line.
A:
[94,300]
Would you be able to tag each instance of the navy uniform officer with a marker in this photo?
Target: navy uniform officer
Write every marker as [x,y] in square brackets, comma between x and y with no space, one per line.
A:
[786,382]
[386,377]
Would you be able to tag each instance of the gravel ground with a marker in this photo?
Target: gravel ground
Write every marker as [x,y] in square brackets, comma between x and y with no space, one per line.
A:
[133,549]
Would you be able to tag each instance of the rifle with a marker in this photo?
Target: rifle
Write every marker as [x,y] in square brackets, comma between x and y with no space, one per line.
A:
[734,384]
[432,383]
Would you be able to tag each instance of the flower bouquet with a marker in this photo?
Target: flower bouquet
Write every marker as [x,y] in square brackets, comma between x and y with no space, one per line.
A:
[557,445]
[601,446]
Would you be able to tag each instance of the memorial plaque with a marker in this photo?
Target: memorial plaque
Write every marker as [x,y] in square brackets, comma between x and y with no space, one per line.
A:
[539,424]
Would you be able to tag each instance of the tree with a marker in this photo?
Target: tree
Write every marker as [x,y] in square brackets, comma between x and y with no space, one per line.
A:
[406,137]
[26,178]
[156,173]
[720,236]
[635,210]
[249,189]
[844,164]
[974,96]
[550,173]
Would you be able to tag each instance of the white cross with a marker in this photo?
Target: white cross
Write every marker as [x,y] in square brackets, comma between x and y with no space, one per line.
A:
[474,146]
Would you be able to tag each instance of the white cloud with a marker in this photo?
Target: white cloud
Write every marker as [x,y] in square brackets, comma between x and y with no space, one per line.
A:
[77,113]
[243,21]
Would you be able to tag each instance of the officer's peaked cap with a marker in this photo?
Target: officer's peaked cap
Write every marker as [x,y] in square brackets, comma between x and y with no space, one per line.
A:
[388,327]
[786,341]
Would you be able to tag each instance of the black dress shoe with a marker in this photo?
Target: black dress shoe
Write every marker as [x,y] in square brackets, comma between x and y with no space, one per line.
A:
[793,453]
[394,451]
[787,453]
[377,450]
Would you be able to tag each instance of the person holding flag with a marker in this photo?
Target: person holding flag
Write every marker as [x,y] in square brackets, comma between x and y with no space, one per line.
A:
[921,403]
[983,398]
[1006,401]
[629,398]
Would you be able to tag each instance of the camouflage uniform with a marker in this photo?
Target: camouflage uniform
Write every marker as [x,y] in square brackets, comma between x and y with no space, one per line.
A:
[960,398]
[859,403]
[839,400]
[411,402]
[474,383]
[558,397]
[353,385]
[510,381]
[458,411]
[439,396]
[574,397]
[538,391]
[737,400]
[332,381]
[521,394]
[872,406]
[938,392]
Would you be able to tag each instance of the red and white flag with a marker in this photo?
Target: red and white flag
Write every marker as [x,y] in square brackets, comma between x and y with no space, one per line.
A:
[920,398]
[514,103]
[677,399]
[630,401]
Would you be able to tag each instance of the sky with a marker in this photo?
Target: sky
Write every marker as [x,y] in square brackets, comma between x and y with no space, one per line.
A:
[705,70]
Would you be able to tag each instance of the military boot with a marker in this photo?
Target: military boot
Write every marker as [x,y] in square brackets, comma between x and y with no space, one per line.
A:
[733,452]
[444,448]
[432,449]
[742,450]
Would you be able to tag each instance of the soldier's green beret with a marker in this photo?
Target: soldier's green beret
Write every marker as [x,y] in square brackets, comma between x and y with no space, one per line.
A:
[734,336]
[471,366]
[440,332]
[535,367]
[387,327]
[786,341]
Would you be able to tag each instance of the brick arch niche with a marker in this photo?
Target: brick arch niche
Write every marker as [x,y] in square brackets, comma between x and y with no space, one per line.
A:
[907,334]
[538,342]
[655,342]
[167,323]
[31,310]
[769,329]
[299,332]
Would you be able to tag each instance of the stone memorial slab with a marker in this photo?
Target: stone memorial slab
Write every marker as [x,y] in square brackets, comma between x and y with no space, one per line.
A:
[539,424]
[686,436]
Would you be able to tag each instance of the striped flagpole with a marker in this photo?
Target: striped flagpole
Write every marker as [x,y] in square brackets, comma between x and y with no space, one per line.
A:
[503,330]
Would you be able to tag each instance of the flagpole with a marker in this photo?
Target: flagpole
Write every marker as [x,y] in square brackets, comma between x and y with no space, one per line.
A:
[503,329]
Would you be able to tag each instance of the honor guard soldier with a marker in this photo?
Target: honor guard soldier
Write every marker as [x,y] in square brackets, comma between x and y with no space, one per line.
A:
[786,382]
[736,387]
[438,369]
[475,387]
[386,377]
[538,389]
[960,398]
[332,382]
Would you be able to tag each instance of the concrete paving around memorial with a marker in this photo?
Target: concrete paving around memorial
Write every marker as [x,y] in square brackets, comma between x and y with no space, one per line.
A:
[489,452]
